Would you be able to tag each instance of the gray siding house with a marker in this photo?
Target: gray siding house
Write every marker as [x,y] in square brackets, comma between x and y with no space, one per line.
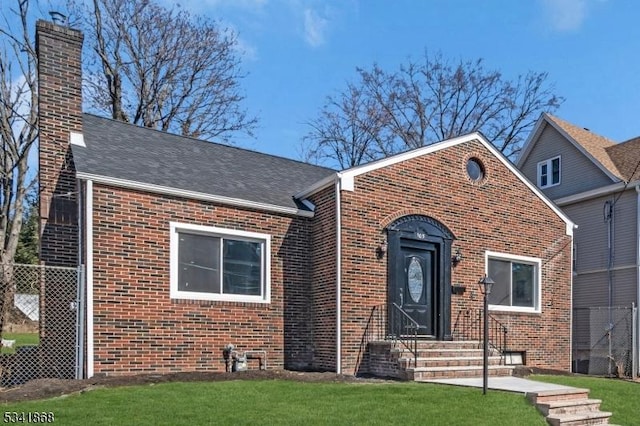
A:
[596,182]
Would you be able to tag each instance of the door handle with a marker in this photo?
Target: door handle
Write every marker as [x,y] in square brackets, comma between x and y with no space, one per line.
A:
[401,299]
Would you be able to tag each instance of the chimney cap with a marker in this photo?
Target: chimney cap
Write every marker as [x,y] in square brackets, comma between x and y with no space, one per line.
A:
[58,18]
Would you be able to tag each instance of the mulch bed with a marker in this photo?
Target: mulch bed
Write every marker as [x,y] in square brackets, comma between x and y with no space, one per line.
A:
[50,388]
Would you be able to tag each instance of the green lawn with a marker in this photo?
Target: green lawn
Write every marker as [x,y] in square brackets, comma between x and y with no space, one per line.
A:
[620,397]
[287,403]
[22,339]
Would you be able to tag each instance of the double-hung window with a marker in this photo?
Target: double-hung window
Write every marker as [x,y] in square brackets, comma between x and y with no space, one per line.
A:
[517,282]
[549,172]
[210,263]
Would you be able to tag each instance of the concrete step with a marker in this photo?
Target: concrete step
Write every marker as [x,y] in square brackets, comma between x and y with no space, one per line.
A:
[569,406]
[580,419]
[427,373]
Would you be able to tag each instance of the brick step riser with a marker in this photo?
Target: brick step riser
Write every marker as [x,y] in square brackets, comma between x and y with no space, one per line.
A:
[427,375]
[541,399]
[449,345]
[453,353]
[603,420]
[574,409]
[434,362]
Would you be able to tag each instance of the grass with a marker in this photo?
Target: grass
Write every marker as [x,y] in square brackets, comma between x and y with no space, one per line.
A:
[22,339]
[618,396]
[287,403]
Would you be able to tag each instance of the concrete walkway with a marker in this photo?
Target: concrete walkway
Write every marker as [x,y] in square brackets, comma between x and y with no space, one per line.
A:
[510,384]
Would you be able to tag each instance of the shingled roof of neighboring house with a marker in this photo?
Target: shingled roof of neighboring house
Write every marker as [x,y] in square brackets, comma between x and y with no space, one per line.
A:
[129,153]
[594,144]
[626,156]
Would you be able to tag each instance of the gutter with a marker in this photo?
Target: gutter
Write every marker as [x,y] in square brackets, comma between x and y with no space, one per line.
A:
[89,268]
[193,195]
[595,193]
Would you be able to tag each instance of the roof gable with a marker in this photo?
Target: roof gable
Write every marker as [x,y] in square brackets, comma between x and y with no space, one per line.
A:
[346,177]
[127,155]
[591,145]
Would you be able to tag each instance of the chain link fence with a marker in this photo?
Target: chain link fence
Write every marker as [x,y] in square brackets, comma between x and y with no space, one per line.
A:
[605,341]
[41,333]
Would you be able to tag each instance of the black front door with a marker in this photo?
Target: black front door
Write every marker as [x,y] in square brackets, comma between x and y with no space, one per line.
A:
[419,275]
[415,278]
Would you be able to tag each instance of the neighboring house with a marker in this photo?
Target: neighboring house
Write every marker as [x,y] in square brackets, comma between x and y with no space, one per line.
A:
[189,246]
[596,182]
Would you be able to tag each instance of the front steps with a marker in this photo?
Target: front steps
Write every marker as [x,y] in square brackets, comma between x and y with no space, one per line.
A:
[437,360]
[569,407]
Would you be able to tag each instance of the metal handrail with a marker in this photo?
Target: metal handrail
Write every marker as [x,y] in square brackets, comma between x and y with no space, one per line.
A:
[469,326]
[404,329]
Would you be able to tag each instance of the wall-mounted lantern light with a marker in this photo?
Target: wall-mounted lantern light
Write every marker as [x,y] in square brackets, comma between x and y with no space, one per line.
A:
[457,257]
[381,250]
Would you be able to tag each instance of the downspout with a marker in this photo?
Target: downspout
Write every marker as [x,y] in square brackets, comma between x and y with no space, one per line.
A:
[338,279]
[80,310]
[89,273]
[636,349]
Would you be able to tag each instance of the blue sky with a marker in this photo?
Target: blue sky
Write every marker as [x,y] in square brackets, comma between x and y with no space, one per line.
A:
[297,52]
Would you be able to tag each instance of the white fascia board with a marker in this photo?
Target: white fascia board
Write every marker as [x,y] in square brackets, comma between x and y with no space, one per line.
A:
[594,193]
[321,184]
[76,138]
[570,226]
[530,142]
[158,189]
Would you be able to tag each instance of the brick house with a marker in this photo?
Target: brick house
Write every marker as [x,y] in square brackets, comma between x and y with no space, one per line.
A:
[190,245]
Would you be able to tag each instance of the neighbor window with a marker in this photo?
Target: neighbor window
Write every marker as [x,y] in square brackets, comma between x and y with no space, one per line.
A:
[517,282]
[549,172]
[209,263]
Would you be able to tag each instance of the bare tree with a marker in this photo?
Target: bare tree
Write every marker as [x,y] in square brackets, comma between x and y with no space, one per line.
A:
[164,69]
[429,101]
[350,129]
[18,133]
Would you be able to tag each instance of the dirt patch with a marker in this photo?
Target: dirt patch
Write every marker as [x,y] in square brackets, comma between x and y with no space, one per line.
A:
[49,388]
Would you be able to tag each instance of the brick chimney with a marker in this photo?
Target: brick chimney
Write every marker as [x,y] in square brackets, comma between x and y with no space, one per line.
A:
[59,52]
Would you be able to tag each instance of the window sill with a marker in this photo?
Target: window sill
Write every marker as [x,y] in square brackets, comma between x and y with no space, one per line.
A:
[205,297]
[513,310]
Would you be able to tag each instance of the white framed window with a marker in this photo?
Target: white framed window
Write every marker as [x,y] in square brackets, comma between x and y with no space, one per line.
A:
[210,263]
[517,282]
[549,172]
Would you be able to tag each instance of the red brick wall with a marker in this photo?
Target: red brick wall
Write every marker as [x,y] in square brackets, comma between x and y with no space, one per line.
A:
[499,214]
[139,328]
[323,294]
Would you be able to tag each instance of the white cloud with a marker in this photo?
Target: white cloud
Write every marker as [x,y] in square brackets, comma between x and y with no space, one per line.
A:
[315,27]
[565,15]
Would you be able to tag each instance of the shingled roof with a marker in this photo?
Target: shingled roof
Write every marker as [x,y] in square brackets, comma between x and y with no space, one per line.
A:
[594,144]
[129,153]
[620,160]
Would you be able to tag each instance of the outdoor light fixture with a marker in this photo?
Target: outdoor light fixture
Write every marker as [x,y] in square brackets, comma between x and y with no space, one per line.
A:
[486,283]
[457,257]
[382,249]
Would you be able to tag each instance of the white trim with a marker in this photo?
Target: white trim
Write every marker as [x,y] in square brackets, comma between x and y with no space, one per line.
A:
[595,193]
[522,259]
[338,280]
[358,170]
[76,138]
[264,239]
[638,256]
[549,164]
[89,263]
[159,189]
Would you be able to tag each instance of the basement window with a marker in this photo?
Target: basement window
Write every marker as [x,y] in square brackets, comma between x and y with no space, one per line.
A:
[210,263]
